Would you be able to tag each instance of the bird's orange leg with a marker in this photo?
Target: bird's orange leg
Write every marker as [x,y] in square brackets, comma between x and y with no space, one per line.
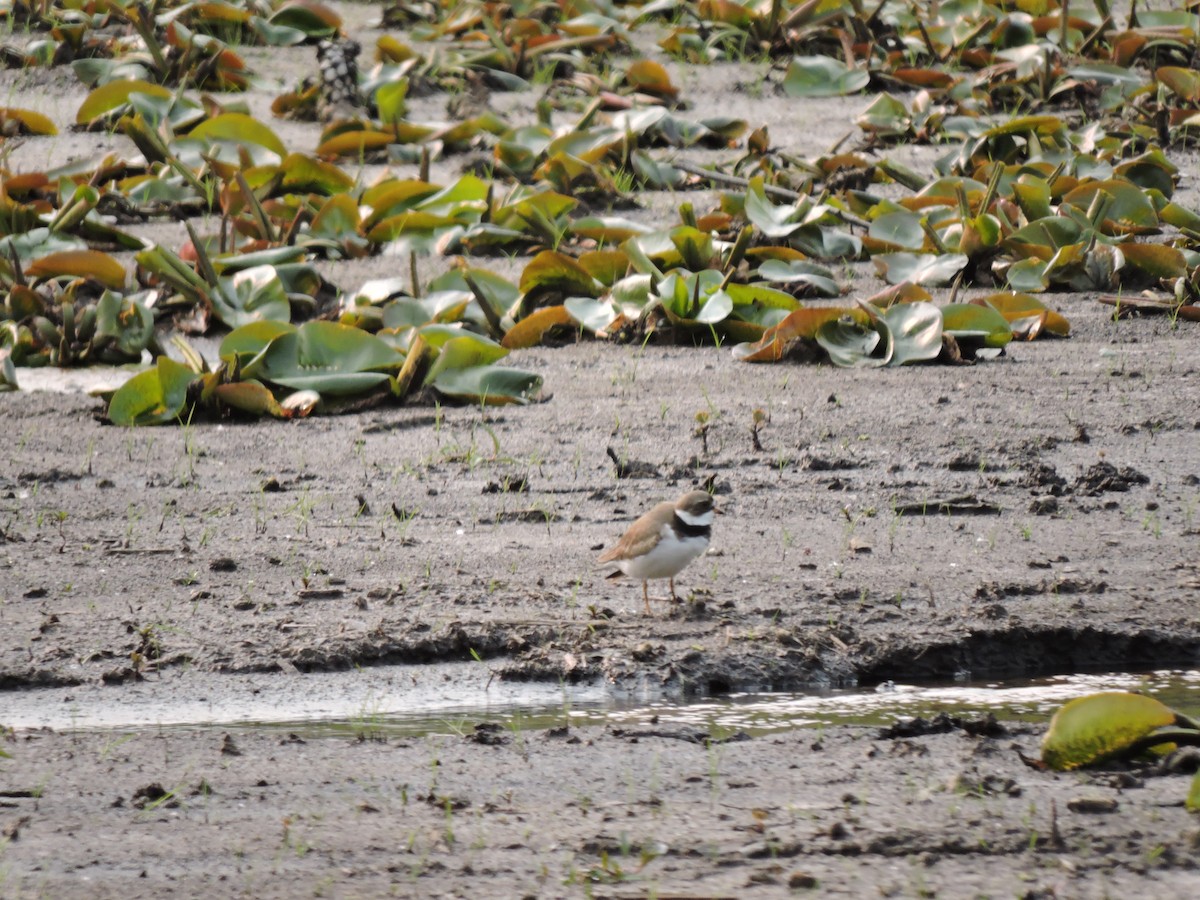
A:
[646,596]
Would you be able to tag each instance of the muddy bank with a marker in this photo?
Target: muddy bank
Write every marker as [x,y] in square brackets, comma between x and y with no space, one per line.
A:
[1031,515]
[647,811]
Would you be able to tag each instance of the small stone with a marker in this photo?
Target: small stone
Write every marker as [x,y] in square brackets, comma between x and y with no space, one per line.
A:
[798,880]
[1093,805]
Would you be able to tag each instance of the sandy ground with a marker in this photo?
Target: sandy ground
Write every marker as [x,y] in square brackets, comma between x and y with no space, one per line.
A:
[1034,514]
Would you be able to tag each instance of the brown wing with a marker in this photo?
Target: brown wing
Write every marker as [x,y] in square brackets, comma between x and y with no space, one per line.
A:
[642,535]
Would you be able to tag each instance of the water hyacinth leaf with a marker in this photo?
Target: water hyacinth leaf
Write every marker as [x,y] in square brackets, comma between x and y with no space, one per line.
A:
[920,268]
[303,174]
[251,397]
[901,229]
[154,397]
[803,323]
[123,324]
[852,345]
[1130,211]
[822,76]
[533,329]
[608,229]
[112,96]
[915,330]
[824,242]
[974,324]
[606,266]
[8,371]
[695,247]
[1192,803]
[762,296]
[314,20]
[799,271]
[1156,260]
[37,243]
[327,357]
[1184,83]
[243,344]
[489,385]
[240,129]
[1027,315]
[592,315]
[250,295]
[554,271]
[25,121]
[93,264]
[772,220]
[465,351]
[886,117]
[1101,726]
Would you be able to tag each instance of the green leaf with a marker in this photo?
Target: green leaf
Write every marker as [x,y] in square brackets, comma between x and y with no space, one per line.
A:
[125,323]
[488,384]
[977,325]
[154,397]
[899,229]
[822,76]
[326,357]
[240,129]
[553,271]
[851,345]
[249,340]
[249,296]
[113,96]
[592,315]
[79,264]
[819,278]
[251,397]
[1097,727]
[916,332]
[772,220]
[465,351]
[919,268]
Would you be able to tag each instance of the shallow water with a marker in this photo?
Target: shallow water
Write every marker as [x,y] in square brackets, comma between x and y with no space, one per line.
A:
[398,701]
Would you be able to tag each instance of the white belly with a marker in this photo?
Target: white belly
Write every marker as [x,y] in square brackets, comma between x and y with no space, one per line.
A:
[667,559]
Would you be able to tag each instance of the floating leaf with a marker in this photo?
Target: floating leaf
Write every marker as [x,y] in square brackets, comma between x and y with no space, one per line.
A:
[916,332]
[553,271]
[1097,727]
[250,397]
[1028,315]
[850,344]
[532,329]
[113,95]
[250,295]
[920,268]
[326,357]
[801,324]
[240,129]
[25,121]
[975,324]
[154,397]
[488,385]
[91,264]
[822,76]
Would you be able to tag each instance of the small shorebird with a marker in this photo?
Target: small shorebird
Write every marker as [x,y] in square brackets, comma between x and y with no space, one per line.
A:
[663,541]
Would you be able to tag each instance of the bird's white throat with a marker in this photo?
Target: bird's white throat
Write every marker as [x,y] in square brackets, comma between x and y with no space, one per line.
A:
[701,521]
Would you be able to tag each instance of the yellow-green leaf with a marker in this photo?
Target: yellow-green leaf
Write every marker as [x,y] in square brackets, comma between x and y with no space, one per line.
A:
[1100,726]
